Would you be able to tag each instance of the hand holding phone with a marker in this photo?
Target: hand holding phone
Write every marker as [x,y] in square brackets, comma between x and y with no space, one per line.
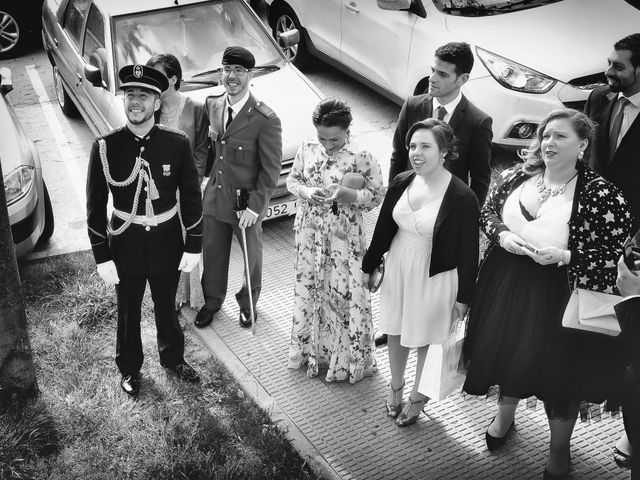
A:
[631,254]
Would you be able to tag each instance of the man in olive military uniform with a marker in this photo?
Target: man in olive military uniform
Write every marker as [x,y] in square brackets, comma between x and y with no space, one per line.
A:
[144,165]
[246,139]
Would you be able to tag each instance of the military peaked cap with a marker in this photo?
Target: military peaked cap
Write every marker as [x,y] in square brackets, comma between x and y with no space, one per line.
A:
[143,77]
[238,56]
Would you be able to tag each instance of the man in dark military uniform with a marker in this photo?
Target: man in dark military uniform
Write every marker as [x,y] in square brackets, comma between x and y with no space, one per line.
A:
[246,139]
[144,165]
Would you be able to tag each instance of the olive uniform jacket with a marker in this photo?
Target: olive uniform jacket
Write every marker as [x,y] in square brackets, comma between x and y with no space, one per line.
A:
[138,250]
[455,235]
[246,155]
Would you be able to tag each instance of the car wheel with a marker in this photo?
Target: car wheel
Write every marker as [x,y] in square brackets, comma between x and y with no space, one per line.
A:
[11,36]
[47,231]
[66,104]
[284,20]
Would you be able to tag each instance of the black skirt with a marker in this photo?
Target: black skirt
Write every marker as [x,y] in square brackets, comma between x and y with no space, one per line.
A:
[515,339]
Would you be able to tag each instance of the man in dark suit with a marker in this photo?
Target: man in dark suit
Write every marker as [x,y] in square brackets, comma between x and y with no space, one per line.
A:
[246,139]
[615,109]
[628,313]
[143,242]
[444,100]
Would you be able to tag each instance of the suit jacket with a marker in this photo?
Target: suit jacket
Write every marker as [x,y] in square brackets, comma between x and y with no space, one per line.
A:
[628,313]
[624,169]
[472,128]
[455,235]
[138,250]
[194,123]
[246,155]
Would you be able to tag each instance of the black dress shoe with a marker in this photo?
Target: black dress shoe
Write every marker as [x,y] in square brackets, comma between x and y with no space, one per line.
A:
[623,460]
[556,476]
[205,316]
[493,443]
[245,318]
[381,340]
[130,384]
[185,372]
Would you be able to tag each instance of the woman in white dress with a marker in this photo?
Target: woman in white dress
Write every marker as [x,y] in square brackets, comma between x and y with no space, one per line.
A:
[428,223]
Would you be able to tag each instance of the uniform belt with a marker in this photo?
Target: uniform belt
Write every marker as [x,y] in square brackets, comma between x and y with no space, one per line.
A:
[143,220]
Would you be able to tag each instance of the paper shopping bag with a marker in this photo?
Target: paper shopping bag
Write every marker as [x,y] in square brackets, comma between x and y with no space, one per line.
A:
[440,376]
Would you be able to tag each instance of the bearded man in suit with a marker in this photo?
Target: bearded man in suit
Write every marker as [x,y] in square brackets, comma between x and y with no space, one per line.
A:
[615,109]
[246,139]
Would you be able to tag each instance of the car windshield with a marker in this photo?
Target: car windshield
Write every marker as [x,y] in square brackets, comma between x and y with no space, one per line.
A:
[481,8]
[196,34]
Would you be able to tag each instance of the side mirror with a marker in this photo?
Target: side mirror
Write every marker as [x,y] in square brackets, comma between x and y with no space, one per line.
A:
[6,80]
[289,38]
[394,4]
[94,75]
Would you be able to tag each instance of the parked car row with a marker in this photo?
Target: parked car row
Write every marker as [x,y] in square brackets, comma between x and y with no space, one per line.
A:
[532,56]
[28,202]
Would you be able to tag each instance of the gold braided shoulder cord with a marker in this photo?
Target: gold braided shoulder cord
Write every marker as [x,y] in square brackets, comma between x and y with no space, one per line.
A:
[134,173]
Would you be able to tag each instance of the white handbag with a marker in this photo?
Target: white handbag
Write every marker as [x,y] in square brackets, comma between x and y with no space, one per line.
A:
[592,312]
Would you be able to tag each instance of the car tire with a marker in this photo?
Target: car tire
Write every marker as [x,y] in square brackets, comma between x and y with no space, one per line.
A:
[49,222]
[283,20]
[12,33]
[64,100]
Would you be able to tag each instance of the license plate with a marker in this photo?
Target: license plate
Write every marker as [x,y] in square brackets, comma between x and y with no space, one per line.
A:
[281,209]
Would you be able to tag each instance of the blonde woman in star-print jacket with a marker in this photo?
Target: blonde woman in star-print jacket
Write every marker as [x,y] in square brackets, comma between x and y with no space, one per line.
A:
[554,225]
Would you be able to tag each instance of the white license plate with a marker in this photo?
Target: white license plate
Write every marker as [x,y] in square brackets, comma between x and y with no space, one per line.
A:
[281,209]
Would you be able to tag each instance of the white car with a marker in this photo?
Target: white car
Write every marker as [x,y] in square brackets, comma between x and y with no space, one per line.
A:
[532,56]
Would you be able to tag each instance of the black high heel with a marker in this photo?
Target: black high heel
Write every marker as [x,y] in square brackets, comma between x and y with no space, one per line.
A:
[623,460]
[493,443]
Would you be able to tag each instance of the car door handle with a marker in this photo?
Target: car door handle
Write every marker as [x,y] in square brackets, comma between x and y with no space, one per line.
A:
[78,79]
[55,41]
[353,7]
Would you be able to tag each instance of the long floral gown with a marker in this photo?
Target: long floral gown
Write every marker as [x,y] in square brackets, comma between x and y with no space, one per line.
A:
[332,324]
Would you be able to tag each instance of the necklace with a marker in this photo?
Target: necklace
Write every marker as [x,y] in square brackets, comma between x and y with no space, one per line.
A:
[546,192]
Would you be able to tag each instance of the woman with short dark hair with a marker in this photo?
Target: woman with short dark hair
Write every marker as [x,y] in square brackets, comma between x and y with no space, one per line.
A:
[428,223]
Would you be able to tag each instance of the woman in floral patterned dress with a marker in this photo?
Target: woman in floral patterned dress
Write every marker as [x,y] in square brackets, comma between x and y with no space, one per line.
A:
[334,182]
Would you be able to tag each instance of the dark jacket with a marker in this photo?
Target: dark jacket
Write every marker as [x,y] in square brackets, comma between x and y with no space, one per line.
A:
[472,128]
[599,224]
[455,236]
[624,168]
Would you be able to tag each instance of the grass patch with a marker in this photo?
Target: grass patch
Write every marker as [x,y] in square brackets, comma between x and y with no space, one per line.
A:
[83,427]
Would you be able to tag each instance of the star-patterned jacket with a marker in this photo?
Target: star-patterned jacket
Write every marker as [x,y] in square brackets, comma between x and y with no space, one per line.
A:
[599,224]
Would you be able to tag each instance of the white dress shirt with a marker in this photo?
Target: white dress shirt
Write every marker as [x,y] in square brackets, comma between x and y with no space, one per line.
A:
[449,107]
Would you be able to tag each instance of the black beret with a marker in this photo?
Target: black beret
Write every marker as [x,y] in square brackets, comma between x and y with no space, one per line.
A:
[238,56]
[143,77]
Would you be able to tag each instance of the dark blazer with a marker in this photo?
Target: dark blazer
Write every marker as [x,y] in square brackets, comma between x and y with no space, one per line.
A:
[455,236]
[138,250]
[246,155]
[624,169]
[628,313]
[472,128]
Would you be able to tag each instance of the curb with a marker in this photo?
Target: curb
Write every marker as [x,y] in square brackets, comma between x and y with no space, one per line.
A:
[252,387]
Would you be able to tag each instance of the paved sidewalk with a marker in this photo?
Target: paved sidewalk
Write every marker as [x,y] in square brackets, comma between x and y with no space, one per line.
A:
[342,429]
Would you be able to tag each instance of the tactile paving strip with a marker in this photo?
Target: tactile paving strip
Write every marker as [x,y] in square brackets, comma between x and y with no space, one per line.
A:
[348,424]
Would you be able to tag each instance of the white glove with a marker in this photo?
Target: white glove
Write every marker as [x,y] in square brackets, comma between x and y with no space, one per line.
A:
[189,261]
[108,272]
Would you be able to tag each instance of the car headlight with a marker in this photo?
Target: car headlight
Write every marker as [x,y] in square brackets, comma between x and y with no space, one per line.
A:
[18,182]
[514,76]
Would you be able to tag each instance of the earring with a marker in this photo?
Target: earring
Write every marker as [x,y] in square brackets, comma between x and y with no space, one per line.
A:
[580,155]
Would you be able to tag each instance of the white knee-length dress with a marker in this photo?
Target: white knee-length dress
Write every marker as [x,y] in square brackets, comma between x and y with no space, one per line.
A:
[412,304]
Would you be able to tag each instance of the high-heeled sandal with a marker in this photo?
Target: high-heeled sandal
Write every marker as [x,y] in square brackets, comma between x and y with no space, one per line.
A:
[394,409]
[405,420]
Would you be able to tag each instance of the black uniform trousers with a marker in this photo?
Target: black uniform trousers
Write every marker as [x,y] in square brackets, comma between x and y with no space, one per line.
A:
[216,248]
[631,417]
[130,291]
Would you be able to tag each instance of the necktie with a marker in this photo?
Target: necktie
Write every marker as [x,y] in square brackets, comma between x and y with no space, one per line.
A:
[229,117]
[441,112]
[615,129]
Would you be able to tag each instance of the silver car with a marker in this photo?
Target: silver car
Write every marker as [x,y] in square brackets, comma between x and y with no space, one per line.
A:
[88,41]
[28,203]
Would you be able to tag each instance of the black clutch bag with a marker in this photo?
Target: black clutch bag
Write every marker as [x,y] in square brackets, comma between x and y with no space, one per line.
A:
[377,276]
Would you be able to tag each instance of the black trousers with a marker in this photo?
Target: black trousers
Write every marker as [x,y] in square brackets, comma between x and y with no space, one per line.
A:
[130,291]
[631,417]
